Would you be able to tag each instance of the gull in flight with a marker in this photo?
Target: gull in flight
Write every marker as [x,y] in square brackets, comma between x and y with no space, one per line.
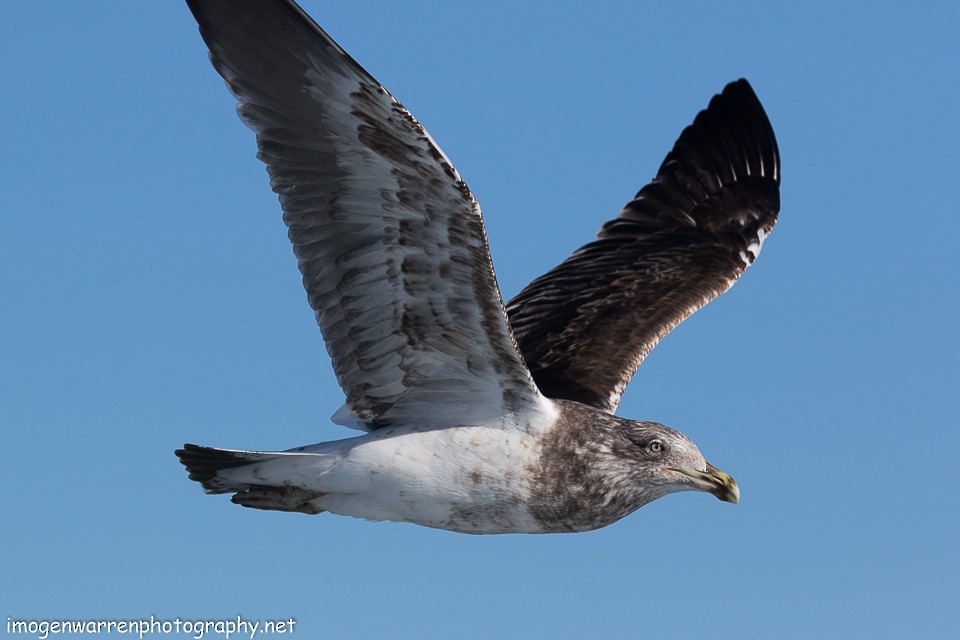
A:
[478,417]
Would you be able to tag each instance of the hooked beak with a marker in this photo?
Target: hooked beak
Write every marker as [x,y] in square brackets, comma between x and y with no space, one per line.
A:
[713,481]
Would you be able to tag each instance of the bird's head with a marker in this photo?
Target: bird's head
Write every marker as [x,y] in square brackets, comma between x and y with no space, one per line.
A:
[667,461]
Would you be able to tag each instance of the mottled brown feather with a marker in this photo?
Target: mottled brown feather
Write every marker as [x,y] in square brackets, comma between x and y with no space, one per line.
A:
[388,238]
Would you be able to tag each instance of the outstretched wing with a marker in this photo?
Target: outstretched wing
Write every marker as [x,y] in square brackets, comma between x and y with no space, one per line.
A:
[585,326]
[389,239]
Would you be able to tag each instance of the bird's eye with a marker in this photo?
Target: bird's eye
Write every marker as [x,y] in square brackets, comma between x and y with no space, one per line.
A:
[652,446]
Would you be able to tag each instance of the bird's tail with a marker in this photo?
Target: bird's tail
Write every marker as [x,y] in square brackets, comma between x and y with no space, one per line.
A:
[273,480]
[204,465]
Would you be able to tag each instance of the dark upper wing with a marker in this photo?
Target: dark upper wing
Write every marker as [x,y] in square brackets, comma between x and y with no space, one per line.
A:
[586,326]
[389,239]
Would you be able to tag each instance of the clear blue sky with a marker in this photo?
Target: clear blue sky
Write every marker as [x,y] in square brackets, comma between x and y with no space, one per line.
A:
[148,297]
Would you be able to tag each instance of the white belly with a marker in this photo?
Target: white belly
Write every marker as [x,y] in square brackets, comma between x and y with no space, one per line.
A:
[468,479]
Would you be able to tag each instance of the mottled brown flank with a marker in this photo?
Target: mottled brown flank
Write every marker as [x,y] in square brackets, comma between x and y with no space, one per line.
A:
[499,513]
[480,518]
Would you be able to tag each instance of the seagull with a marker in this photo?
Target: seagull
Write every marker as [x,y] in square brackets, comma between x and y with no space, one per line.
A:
[477,417]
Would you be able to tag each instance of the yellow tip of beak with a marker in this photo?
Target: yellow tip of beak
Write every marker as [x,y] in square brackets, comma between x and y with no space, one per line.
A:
[714,481]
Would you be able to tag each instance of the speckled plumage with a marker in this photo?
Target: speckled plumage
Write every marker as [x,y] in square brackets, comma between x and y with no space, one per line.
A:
[480,417]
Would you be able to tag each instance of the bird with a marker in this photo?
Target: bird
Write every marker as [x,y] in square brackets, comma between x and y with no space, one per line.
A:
[477,416]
